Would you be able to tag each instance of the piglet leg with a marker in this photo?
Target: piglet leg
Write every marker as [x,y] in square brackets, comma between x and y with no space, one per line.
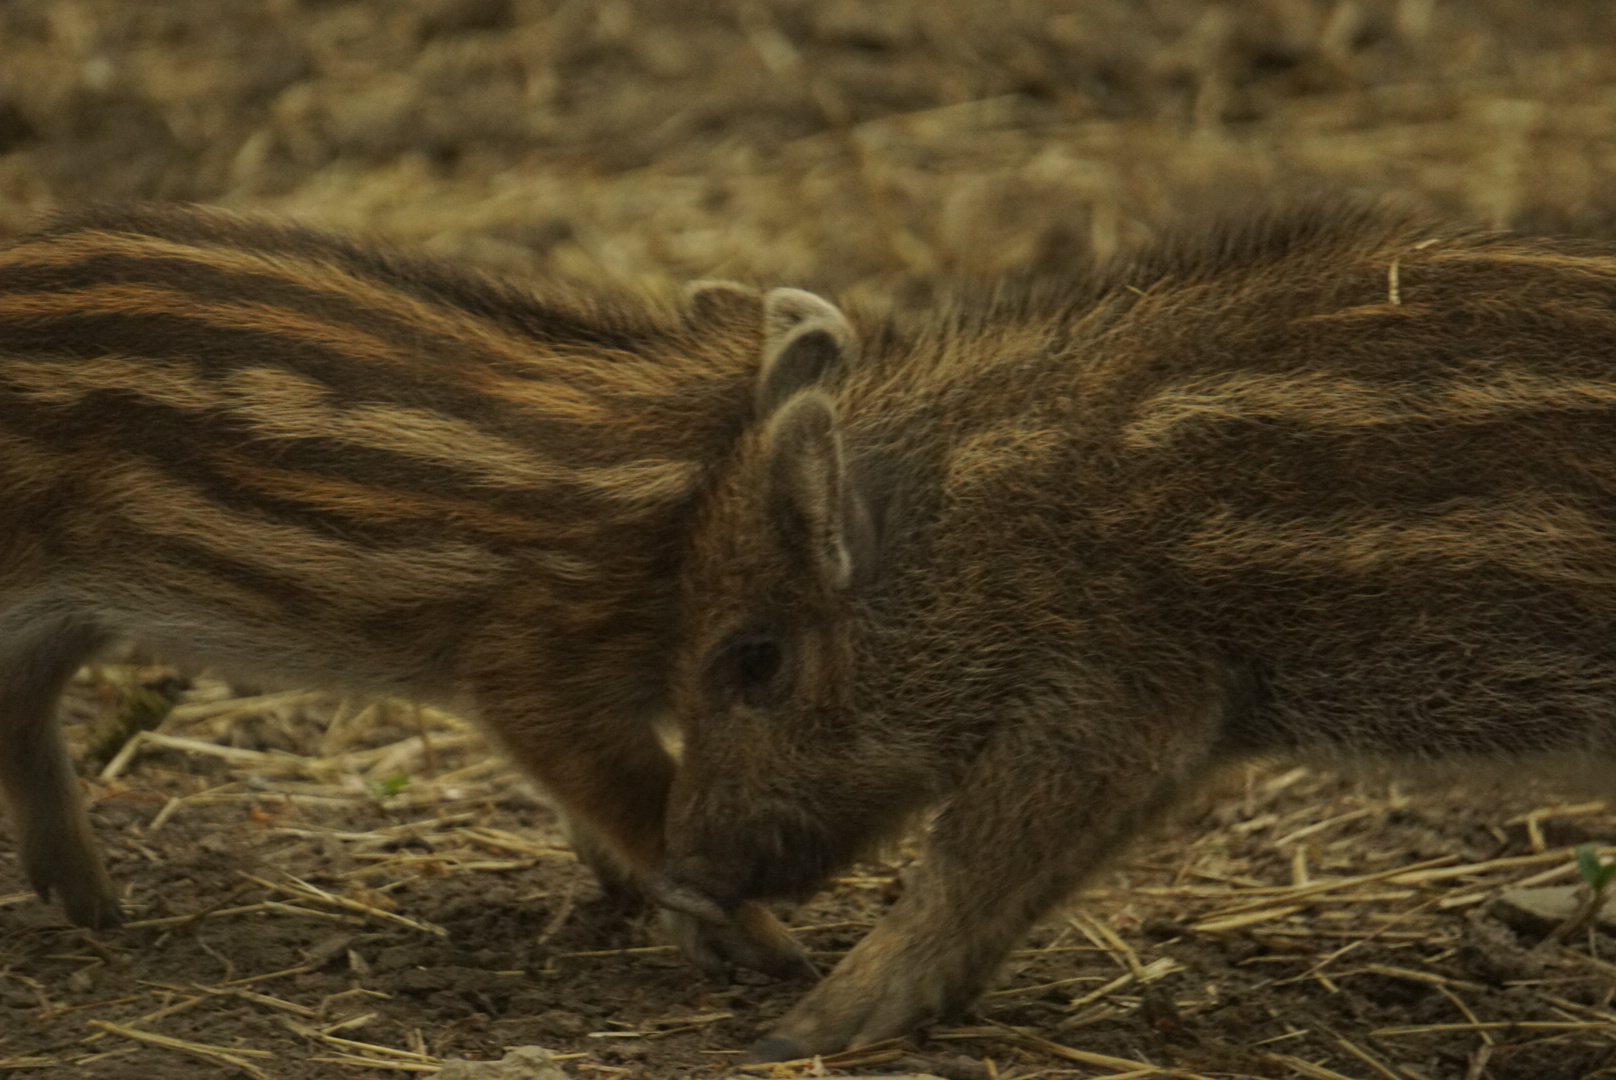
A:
[1040,809]
[37,782]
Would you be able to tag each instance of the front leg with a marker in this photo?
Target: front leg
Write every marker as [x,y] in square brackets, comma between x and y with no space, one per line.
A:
[610,782]
[1038,811]
[606,774]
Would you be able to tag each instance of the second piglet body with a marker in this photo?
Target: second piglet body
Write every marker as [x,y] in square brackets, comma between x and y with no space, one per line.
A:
[1325,482]
[331,464]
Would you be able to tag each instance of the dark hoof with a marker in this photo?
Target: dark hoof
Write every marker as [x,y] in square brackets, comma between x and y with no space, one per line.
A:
[792,966]
[677,897]
[779,959]
[87,898]
[106,919]
[797,968]
[698,941]
[775,1048]
[97,913]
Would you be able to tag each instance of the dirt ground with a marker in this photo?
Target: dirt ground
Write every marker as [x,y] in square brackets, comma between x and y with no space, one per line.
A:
[325,887]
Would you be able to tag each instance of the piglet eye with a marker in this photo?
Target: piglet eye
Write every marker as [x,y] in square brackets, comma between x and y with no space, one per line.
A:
[755,663]
[749,668]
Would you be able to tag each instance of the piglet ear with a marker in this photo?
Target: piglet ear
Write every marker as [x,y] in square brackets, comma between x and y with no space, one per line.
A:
[820,516]
[804,336]
[713,300]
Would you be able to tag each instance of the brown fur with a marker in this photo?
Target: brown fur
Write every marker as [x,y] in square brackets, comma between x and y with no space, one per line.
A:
[1322,481]
[329,463]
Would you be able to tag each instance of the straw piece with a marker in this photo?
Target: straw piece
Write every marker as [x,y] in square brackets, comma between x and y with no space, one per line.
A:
[1250,918]
[374,1049]
[1028,1040]
[378,1063]
[263,999]
[1368,1059]
[1310,1069]
[235,1057]
[507,841]
[1320,826]
[302,890]
[1500,1025]
[234,707]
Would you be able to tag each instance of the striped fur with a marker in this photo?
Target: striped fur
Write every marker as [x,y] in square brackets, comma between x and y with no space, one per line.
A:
[1328,481]
[330,463]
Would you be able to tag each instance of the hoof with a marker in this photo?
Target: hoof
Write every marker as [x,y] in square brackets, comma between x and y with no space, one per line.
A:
[757,943]
[702,944]
[95,912]
[794,968]
[84,891]
[775,1048]
[676,897]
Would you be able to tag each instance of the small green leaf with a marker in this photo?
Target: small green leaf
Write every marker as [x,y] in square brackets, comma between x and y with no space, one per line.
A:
[382,789]
[1606,873]
[1595,875]
[145,709]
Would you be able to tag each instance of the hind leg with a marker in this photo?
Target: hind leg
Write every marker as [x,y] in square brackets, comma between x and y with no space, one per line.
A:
[37,781]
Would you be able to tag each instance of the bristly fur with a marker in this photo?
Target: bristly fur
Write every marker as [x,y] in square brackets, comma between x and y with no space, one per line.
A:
[332,463]
[1322,480]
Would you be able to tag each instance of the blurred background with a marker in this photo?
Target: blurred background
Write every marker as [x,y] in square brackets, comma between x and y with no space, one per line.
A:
[863,145]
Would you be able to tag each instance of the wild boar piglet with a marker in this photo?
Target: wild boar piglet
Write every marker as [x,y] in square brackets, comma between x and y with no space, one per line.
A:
[327,463]
[1331,481]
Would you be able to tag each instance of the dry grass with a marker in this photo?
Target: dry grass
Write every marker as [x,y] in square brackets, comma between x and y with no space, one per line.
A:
[867,146]
[1291,878]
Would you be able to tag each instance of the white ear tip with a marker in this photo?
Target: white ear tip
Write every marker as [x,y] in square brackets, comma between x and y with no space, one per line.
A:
[841,566]
[784,309]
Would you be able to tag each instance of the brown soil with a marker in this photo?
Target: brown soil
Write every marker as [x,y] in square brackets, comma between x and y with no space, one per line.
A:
[331,871]
[308,870]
